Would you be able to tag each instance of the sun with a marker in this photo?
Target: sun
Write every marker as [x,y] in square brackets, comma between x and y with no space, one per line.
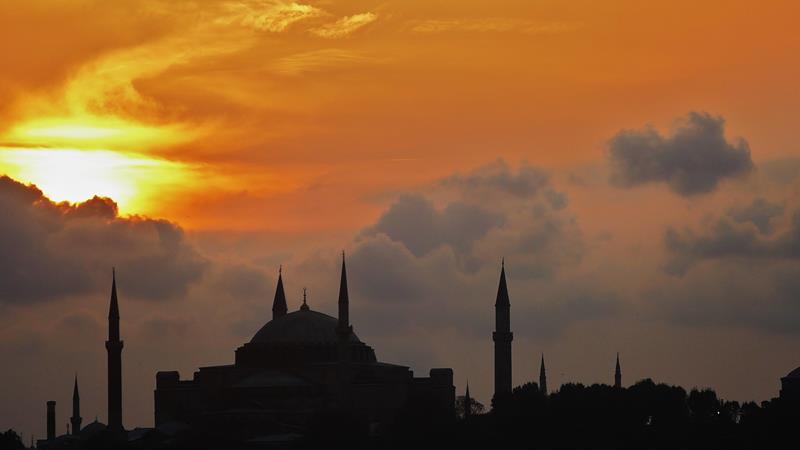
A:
[75,158]
[76,175]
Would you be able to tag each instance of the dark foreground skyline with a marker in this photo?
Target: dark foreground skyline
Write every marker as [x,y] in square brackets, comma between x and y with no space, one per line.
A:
[306,378]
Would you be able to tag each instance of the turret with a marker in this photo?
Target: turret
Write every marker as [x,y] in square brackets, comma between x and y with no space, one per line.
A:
[279,308]
[467,404]
[344,328]
[76,409]
[51,420]
[502,337]
[542,378]
[114,349]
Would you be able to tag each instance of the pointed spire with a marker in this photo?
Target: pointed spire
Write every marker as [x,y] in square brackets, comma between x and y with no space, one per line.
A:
[344,302]
[618,374]
[279,303]
[542,377]
[304,306]
[467,403]
[502,289]
[113,309]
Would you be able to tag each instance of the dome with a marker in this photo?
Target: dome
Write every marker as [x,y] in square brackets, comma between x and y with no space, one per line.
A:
[794,374]
[301,327]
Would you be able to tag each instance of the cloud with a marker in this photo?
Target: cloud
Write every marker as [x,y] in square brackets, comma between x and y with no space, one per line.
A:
[760,213]
[491,25]
[486,213]
[345,26]
[53,250]
[415,221]
[499,177]
[692,160]
[739,238]
[274,16]
[318,61]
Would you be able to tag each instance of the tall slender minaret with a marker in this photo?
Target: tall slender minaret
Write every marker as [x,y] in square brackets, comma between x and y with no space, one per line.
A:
[467,403]
[618,375]
[114,349]
[502,337]
[279,303]
[344,328]
[542,378]
[76,409]
[51,420]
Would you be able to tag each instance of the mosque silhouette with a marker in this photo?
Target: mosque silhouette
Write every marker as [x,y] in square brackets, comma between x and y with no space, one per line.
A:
[303,373]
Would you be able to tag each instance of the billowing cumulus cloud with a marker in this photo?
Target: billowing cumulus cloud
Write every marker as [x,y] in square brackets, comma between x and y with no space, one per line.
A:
[692,160]
[55,250]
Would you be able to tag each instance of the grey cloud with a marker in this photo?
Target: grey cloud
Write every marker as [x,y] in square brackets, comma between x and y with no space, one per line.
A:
[760,213]
[415,221]
[55,250]
[727,239]
[692,160]
[498,176]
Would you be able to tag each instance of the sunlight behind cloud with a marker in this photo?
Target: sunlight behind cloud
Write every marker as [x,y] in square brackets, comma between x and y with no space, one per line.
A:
[76,175]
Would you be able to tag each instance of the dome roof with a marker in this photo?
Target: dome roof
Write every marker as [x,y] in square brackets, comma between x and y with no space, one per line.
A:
[304,326]
[794,374]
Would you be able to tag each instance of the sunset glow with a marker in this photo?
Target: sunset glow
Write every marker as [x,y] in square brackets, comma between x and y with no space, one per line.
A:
[76,175]
[635,164]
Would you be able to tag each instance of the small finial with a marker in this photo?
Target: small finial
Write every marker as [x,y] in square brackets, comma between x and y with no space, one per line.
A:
[503,262]
[304,306]
[280,269]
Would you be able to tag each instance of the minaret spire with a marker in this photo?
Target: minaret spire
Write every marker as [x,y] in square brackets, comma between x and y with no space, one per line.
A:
[502,337]
[304,306]
[76,409]
[344,327]
[114,348]
[618,375]
[542,378]
[467,403]
[279,308]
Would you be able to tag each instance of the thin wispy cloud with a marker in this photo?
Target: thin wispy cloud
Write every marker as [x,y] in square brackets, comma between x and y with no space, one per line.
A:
[345,26]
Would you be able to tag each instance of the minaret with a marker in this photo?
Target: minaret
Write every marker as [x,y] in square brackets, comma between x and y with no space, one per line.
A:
[344,328]
[618,375]
[76,409]
[502,337]
[542,378]
[467,403]
[279,303]
[114,348]
[51,420]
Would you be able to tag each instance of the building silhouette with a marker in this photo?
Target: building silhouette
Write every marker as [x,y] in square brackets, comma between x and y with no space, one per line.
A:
[617,375]
[502,337]
[542,377]
[114,348]
[297,366]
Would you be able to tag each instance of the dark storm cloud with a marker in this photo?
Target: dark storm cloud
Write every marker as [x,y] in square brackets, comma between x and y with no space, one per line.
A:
[54,250]
[692,160]
[760,213]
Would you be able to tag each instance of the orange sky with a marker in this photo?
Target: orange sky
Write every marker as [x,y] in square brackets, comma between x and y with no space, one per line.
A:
[280,132]
[270,109]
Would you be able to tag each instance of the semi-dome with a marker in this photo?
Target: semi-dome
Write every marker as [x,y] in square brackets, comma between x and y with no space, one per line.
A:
[301,327]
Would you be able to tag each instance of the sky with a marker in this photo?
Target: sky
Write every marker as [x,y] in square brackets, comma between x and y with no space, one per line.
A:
[635,163]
